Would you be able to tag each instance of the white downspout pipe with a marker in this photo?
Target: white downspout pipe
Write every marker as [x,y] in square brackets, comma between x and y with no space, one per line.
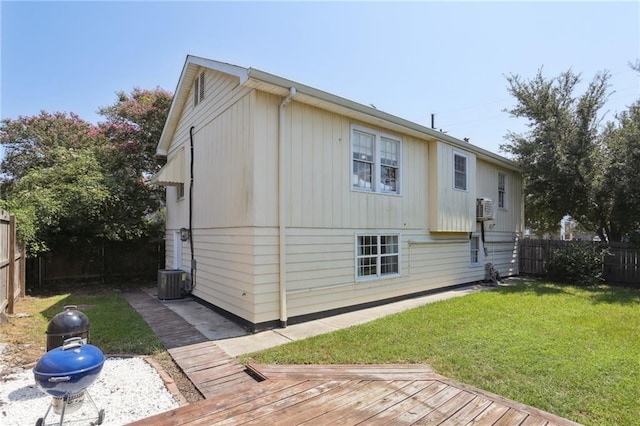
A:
[282,206]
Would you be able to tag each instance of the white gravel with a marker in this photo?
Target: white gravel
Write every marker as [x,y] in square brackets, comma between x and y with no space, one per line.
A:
[128,389]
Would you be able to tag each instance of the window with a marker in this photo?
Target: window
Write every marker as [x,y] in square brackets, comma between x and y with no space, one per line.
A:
[460,171]
[376,161]
[180,191]
[474,252]
[377,256]
[198,89]
[502,190]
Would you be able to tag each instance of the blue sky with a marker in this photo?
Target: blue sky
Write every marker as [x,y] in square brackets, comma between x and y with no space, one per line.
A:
[408,59]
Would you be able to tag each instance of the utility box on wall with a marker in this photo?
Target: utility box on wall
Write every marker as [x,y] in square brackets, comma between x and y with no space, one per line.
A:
[171,283]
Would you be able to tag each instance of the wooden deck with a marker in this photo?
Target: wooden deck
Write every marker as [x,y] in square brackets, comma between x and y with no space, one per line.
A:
[355,394]
[210,369]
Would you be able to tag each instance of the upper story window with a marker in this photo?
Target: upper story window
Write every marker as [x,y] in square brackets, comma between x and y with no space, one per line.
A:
[180,191]
[459,171]
[198,89]
[376,161]
[502,190]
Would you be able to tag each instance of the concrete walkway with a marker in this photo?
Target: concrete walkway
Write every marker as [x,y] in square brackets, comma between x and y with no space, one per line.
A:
[234,340]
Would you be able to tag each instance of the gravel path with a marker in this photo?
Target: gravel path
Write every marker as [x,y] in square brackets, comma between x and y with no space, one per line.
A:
[128,389]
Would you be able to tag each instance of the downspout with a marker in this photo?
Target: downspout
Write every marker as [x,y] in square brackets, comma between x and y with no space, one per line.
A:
[282,205]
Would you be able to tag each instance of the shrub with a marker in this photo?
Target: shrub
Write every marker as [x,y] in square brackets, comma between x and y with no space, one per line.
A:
[576,263]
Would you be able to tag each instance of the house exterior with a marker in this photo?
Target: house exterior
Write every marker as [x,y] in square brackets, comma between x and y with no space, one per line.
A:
[286,203]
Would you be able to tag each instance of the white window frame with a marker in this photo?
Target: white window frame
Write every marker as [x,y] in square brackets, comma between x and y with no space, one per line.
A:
[475,254]
[502,191]
[376,185]
[466,171]
[378,256]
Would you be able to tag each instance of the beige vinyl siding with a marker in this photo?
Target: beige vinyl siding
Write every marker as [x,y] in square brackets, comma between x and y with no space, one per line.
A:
[224,244]
[237,270]
[423,267]
[318,176]
[502,250]
[509,219]
[221,91]
[450,209]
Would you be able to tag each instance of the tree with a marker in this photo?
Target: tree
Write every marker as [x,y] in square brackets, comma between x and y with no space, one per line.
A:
[133,128]
[52,179]
[617,188]
[561,155]
[72,183]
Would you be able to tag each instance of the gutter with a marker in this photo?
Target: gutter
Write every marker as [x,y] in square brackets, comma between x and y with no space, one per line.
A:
[282,206]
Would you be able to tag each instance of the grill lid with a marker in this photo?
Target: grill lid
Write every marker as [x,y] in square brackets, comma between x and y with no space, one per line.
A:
[71,358]
[71,320]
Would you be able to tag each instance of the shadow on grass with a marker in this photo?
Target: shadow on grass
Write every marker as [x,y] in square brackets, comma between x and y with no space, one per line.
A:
[597,294]
[614,295]
[58,307]
[539,288]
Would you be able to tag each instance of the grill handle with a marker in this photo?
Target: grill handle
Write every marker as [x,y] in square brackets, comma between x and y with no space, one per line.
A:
[59,379]
[73,342]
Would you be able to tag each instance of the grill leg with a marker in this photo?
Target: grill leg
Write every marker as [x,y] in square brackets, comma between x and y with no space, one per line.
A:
[64,406]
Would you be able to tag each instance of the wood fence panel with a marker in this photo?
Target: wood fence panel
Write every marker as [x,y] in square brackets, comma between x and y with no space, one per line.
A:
[622,265]
[100,263]
[12,264]
[4,261]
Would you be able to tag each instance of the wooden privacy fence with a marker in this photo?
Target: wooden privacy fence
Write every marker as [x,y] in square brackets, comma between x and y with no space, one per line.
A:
[104,262]
[12,264]
[622,265]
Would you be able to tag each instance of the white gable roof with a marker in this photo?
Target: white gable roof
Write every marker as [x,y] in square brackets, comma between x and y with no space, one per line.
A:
[274,84]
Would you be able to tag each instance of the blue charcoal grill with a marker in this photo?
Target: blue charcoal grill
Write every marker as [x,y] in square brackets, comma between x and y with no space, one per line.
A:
[65,373]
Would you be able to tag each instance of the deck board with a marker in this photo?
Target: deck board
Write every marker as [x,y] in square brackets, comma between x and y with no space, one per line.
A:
[348,395]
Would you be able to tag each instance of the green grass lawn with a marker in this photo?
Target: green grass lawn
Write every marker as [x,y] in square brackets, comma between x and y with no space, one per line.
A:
[115,327]
[571,351]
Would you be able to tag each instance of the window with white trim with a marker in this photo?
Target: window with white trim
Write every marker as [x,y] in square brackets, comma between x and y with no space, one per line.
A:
[459,171]
[502,190]
[377,256]
[198,89]
[180,191]
[474,250]
[375,161]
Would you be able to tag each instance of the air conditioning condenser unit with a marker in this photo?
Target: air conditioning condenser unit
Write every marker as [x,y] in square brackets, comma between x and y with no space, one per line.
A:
[171,284]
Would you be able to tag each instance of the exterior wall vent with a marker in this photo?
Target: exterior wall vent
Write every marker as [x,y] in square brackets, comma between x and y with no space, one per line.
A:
[171,283]
[484,209]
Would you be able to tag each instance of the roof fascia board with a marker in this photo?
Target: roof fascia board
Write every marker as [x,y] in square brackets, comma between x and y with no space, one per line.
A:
[410,127]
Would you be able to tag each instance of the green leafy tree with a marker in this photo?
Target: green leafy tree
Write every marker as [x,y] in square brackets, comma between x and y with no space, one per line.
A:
[72,183]
[561,155]
[618,192]
[133,128]
[53,180]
